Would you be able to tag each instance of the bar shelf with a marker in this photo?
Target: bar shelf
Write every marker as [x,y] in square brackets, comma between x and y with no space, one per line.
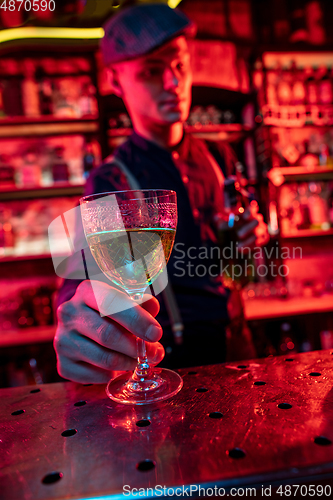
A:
[32,335]
[47,127]
[60,189]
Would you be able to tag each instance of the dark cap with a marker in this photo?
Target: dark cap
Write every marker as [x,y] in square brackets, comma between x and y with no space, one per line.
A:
[138,30]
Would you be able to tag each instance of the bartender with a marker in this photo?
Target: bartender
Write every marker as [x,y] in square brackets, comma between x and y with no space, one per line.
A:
[146,53]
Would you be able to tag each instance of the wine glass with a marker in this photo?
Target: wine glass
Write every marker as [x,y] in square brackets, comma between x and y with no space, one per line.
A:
[131,235]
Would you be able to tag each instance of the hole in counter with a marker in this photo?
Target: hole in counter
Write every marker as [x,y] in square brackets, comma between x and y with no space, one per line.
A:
[145,465]
[69,432]
[259,382]
[285,406]
[87,385]
[144,422]
[33,391]
[51,478]
[236,453]
[201,389]
[242,366]
[18,412]
[80,403]
[322,441]
[192,373]
[315,374]
[289,359]
[216,414]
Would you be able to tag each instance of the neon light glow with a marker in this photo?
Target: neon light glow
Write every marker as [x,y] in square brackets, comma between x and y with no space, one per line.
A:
[38,32]
[173,3]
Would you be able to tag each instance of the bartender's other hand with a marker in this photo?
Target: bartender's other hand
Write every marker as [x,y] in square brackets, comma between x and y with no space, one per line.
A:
[91,348]
[253,231]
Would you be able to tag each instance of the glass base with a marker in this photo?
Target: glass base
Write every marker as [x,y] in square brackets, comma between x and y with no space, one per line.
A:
[162,384]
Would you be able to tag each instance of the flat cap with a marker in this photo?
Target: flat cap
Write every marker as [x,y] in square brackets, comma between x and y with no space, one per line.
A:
[140,29]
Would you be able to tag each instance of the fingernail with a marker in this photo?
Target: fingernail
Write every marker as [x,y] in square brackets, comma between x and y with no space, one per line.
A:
[154,333]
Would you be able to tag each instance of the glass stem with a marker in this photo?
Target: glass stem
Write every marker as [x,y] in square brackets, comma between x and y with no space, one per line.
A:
[143,370]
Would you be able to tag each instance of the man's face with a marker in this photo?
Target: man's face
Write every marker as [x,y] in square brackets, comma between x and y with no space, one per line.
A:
[157,88]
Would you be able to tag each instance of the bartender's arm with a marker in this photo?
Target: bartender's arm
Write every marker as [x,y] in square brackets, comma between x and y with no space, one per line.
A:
[90,348]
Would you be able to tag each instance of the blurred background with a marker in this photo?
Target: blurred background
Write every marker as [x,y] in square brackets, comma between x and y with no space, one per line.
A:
[263,84]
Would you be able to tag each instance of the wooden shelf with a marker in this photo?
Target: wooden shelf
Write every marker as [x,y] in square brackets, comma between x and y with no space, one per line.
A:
[19,258]
[307,233]
[223,127]
[227,128]
[59,189]
[279,175]
[42,126]
[258,308]
[26,120]
[37,335]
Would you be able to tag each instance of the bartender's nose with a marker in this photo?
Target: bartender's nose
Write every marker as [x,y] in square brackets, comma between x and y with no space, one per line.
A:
[170,79]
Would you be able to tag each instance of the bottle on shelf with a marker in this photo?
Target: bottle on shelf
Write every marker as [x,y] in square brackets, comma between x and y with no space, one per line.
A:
[60,171]
[7,172]
[304,221]
[44,91]
[308,159]
[312,87]
[317,206]
[298,87]
[324,155]
[229,116]
[25,316]
[87,100]
[325,91]
[30,91]
[42,307]
[46,100]
[30,170]
[7,236]
[12,97]
[284,88]
[89,161]
[271,87]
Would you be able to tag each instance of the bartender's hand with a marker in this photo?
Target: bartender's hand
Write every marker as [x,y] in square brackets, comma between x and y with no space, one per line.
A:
[91,348]
[251,229]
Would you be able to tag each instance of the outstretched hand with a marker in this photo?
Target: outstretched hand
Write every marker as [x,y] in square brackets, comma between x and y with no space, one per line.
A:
[91,348]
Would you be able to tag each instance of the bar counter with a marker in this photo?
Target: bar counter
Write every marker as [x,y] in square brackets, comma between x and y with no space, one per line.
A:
[259,423]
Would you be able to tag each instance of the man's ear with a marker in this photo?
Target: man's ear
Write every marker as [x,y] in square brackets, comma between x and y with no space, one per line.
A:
[113,79]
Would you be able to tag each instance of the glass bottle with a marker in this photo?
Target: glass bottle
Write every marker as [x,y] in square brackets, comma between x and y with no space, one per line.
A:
[298,88]
[325,90]
[30,94]
[308,159]
[312,88]
[60,171]
[284,92]
[30,171]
